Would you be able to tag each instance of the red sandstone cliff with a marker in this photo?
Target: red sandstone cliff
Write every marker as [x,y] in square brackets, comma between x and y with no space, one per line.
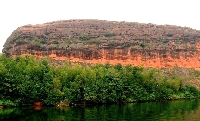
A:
[98,41]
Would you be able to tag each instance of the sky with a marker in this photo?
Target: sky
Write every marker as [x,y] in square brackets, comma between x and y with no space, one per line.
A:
[16,13]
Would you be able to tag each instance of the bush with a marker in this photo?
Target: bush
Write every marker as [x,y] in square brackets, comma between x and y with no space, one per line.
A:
[142,45]
[25,80]
[110,35]
[84,38]
[43,41]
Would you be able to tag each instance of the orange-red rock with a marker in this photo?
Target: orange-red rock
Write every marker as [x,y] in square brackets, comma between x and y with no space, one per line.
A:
[98,41]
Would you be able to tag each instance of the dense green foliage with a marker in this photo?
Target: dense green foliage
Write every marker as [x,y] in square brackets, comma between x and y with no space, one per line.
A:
[24,80]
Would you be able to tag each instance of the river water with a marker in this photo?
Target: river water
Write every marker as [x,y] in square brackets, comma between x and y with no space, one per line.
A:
[184,110]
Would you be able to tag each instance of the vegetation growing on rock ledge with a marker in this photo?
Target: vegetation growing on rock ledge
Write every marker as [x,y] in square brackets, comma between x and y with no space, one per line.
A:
[25,80]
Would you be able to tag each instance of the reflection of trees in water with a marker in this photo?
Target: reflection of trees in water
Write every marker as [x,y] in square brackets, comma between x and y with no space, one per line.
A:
[174,110]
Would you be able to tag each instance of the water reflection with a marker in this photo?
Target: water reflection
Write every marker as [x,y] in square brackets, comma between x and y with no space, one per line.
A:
[185,110]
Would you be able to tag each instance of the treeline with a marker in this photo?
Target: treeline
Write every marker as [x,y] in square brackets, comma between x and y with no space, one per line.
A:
[25,80]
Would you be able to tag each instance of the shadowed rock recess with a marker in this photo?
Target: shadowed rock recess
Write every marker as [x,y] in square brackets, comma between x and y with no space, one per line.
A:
[100,41]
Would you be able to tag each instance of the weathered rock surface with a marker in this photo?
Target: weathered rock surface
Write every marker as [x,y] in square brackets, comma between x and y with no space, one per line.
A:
[99,41]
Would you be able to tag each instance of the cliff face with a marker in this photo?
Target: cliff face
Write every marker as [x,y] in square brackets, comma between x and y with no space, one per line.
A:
[98,41]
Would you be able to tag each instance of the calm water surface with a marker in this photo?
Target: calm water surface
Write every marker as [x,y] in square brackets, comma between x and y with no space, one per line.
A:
[185,110]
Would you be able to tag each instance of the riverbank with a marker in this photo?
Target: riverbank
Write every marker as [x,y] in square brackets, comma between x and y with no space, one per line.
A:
[41,107]
[25,80]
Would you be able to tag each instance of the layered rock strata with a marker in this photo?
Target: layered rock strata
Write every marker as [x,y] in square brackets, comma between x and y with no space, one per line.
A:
[100,41]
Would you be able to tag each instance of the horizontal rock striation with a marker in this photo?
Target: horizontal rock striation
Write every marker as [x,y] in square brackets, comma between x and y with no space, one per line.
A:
[100,41]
